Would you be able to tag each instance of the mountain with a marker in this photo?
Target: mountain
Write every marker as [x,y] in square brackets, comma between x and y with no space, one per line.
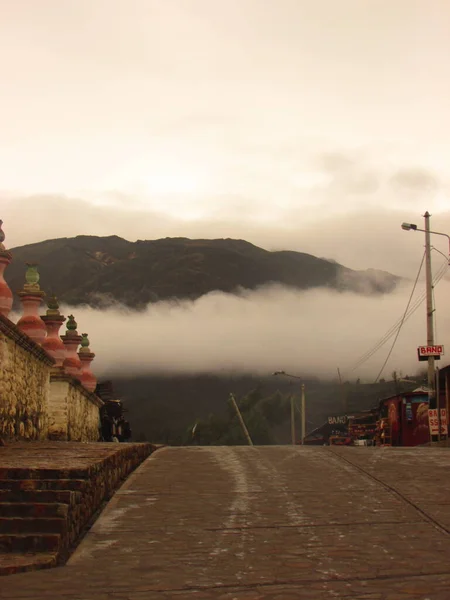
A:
[96,270]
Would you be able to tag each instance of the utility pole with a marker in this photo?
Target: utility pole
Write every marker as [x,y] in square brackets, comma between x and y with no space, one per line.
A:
[447,400]
[343,392]
[241,420]
[438,403]
[292,420]
[429,308]
[433,398]
[303,433]
[303,414]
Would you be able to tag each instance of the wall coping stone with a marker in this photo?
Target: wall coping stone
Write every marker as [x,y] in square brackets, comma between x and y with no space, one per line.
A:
[60,375]
[10,330]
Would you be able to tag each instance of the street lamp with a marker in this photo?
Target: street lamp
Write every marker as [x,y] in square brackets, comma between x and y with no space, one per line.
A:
[413,227]
[303,424]
[429,304]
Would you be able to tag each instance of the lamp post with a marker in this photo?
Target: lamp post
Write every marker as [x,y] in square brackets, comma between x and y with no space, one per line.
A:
[412,227]
[429,307]
[303,422]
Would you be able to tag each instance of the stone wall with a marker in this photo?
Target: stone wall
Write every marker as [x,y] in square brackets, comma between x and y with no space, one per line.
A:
[53,491]
[38,401]
[24,385]
[74,413]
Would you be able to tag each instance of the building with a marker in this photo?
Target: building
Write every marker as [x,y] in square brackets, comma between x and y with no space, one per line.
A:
[403,419]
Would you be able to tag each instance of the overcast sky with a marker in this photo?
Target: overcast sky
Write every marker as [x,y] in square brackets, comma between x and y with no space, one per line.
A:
[315,125]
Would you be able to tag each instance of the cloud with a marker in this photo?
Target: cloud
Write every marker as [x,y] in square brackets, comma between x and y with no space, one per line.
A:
[306,333]
[360,183]
[335,162]
[35,218]
[244,71]
[415,180]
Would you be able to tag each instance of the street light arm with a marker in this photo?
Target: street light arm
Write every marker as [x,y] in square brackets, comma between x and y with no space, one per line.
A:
[287,375]
[435,233]
[411,227]
[445,235]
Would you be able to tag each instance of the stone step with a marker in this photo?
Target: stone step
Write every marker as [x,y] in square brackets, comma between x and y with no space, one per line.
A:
[43,484]
[46,484]
[41,496]
[42,473]
[33,509]
[14,525]
[13,562]
[37,542]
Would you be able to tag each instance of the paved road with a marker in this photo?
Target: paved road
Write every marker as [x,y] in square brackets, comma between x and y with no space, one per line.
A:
[272,523]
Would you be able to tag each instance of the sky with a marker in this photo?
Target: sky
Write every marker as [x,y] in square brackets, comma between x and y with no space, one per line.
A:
[316,126]
[311,125]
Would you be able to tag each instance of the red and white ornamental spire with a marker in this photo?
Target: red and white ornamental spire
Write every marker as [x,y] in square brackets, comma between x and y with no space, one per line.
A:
[72,364]
[88,379]
[53,320]
[6,297]
[31,297]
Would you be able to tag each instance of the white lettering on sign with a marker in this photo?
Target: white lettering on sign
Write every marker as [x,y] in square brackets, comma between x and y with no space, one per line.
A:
[342,420]
[431,350]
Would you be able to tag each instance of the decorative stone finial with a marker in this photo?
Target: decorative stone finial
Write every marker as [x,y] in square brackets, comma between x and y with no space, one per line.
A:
[31,297]
[72,339]
[32,278]
[88,379]
[53,320]
[71,323]
[84,343]
[52,305]
[6,297]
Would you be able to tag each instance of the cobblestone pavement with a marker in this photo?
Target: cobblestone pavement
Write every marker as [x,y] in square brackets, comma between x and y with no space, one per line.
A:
[268,523]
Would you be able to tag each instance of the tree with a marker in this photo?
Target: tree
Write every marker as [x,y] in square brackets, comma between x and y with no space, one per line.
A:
[259,414]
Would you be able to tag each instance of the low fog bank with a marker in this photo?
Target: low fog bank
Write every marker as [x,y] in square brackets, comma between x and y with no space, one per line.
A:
[305,333]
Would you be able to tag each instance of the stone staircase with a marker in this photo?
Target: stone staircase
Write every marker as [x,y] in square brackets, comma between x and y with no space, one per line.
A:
[37,521]
[44,511]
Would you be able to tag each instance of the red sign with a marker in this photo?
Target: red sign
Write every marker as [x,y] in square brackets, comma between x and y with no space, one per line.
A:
[431,350]
[433,421]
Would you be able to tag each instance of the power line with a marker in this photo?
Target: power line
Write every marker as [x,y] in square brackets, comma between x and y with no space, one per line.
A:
[392,331]
[394,327]
[403,318]
[389,333]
